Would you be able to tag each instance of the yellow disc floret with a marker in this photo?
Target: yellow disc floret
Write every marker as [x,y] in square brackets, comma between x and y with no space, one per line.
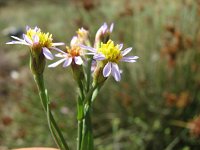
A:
[82,33]
[45,39]
[74,51]
[110,51]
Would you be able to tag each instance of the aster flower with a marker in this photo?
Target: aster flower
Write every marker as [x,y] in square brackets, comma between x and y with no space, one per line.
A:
[73,54]
[37,41]
[110,55]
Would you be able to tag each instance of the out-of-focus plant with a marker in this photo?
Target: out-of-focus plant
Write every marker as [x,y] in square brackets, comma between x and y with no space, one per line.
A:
[91,67]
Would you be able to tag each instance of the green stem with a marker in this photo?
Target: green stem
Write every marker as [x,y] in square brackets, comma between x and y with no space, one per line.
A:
[80,115]
[52,130]
[87,142]
[55,131]
[87,136]
[80,127]
[88,71]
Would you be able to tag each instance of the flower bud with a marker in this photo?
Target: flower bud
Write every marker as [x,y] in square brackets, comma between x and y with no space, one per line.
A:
[83,36]
[103,34]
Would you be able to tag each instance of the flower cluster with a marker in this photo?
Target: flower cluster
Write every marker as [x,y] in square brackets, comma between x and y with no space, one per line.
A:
[105,52]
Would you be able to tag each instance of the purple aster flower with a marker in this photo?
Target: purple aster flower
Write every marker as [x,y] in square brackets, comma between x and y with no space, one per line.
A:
[73,54]
[111,55]
[37,40]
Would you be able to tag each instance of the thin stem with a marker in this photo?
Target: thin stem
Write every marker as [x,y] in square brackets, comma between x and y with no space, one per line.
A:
[80,115]
[55,126]
[52,130]
[80,127]
[58,137]
[87,139]
[87,133]
[88,97]
[80,112]
[88,71]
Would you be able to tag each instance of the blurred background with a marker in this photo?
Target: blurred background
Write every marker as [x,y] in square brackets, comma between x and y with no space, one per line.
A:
[156,106]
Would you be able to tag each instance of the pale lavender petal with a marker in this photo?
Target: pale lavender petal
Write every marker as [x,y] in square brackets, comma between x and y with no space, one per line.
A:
[16,38]
[87,48]
[129,59]
[67,62]
[104,27]
[27,39]
[120,46]
[99,31]
[126,51]
[60,55]
[99,57]
[57,49]
[27,28]
[18,42]
[111,27]
[56,63]
[107,69]
[47,53]
[58,44]
[116,72]
[74,41]
[36,29]
[78,60]
[89,53]
[14,42]
[36,38]
[94,65]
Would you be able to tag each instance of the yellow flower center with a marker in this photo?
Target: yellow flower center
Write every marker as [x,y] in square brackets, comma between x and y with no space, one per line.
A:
[110,51]
[74,51]
[45,39]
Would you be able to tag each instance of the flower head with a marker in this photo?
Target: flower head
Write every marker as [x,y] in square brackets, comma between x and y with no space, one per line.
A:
[82,34]
[72,54]
[110,55]
[109,51]
[37,41]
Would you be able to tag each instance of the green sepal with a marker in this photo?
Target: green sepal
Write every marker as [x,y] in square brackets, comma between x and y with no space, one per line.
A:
[37,63]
